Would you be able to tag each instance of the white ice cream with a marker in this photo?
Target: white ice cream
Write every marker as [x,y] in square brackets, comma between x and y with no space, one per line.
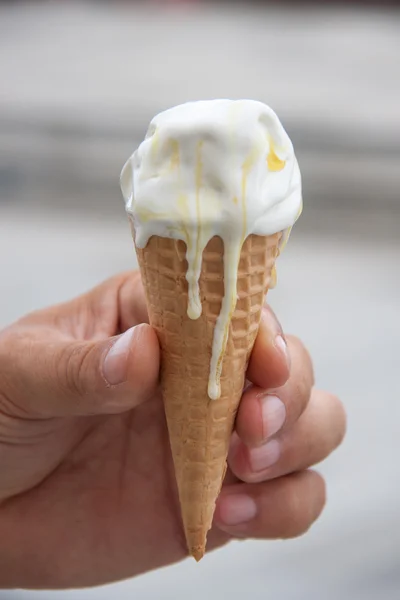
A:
[208,168]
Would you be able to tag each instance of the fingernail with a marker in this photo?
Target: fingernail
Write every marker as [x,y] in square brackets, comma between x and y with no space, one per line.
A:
[273,415]
[115,365]
[236,509]
[265,456]
[281,344]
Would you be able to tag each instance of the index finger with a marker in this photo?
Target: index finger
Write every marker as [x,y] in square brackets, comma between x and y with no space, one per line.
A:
[132,301]
[269,364]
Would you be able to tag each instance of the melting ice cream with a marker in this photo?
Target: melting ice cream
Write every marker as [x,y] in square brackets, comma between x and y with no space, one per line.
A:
[213,168]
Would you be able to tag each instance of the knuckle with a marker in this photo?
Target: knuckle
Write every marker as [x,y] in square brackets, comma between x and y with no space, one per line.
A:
[298,522]
[271,319]
[304,506]
[4,352]
[341,428]
[300,390]
[297,529]
[238,463]
[12,341]
[72,366]
[335,419]
[16,342]
[304,359]
[249,424]
[131,311]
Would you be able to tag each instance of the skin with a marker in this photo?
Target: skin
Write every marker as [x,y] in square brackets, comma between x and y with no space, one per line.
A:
[87,490]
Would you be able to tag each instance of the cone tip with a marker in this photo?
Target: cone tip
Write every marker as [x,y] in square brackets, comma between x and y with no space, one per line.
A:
[197,552]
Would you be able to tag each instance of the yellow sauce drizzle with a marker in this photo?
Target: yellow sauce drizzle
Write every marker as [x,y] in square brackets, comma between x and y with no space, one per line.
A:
[273,161]
[175,157]
[273,279]
[146,215]
[232,252]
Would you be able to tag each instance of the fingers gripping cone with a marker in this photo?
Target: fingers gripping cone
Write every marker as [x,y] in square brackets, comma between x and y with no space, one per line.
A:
[200,428]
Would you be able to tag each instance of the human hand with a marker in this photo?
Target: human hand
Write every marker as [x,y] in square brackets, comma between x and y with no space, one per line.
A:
[87,490]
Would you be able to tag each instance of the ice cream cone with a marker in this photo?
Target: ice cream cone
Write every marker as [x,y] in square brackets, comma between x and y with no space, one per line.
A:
[200,428]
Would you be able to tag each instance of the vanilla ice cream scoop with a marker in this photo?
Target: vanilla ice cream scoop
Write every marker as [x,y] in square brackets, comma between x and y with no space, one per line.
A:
[213,168]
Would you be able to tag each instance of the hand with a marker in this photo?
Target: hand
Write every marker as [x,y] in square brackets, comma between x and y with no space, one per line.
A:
[87,490]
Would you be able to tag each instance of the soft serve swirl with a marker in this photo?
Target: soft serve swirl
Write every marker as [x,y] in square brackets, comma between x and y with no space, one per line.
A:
[213,168]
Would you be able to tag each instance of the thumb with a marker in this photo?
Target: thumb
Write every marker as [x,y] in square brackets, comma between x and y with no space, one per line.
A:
[41,378]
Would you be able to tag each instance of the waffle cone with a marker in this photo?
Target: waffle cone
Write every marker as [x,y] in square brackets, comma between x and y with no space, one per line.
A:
[200,428]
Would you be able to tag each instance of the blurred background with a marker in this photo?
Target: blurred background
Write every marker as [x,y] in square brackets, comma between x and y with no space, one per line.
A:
[79,83]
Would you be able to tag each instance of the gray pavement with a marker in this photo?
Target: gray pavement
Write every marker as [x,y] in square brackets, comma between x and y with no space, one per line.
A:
[82,82]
